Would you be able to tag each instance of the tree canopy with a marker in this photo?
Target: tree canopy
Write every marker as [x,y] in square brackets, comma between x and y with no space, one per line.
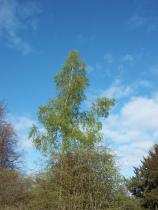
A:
[144,184]
[86,179]
[8,154]
[66,123]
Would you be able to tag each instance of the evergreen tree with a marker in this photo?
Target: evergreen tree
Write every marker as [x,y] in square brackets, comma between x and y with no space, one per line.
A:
[144,185]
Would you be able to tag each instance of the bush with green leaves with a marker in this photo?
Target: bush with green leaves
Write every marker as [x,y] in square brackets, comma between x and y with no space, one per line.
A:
[14,189]
[86,179]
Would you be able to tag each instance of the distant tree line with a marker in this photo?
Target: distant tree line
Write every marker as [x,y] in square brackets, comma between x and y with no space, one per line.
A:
[80,175]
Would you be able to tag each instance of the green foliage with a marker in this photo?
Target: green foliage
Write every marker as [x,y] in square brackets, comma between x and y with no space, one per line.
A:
[20,207]
[144,184]
[44,194]
[85,179]
[102,106]
[65,124]
[131,204]
[13,189]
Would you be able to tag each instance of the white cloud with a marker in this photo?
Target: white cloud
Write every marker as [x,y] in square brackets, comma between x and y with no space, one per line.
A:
[145,83]
[118,90]
[133,130]
[22,123]
[32,160]
[141,111]
[15,18]
[22,127]
[24,142]
[130,155]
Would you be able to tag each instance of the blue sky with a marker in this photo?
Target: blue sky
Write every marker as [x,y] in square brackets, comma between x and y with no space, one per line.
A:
[119,42]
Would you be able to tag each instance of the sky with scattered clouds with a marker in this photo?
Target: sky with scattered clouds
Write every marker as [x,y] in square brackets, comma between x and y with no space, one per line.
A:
[117,40]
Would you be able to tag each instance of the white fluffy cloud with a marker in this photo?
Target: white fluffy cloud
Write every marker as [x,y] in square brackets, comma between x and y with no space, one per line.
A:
[32,160]
[133,131]
[16,17]
[118,90]
[22,123]
[141,112]
[22,127]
